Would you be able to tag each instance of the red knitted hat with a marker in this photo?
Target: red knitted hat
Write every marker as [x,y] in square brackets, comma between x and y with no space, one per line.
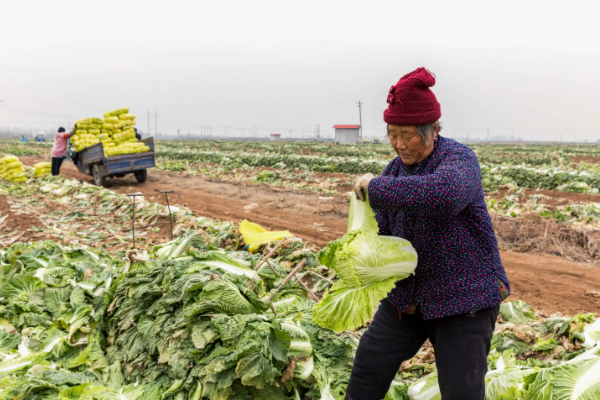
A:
[411,102]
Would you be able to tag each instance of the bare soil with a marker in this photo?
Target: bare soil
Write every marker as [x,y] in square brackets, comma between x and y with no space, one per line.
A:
[550,284]
[16,226]
[587,159]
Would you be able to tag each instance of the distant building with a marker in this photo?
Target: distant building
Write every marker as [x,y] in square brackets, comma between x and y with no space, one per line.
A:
[347,134]
[275,136]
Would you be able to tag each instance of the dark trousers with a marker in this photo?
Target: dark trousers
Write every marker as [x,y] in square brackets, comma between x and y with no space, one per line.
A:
[56,163]
[461,344]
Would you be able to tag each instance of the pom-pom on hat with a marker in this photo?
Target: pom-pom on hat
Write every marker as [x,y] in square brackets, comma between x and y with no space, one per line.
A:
[411,102]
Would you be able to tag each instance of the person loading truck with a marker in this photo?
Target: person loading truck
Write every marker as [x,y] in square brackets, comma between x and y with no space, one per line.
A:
[59,149]
[431,195]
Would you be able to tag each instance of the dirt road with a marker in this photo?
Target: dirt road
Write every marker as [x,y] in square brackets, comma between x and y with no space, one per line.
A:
[550,284]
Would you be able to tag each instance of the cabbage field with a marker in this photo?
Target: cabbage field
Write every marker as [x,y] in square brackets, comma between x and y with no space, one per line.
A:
[518,179]
[83,315]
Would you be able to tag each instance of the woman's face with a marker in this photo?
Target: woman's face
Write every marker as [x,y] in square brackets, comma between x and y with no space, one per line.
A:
[408,144]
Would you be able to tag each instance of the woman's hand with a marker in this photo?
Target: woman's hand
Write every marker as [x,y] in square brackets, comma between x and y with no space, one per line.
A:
[361,186]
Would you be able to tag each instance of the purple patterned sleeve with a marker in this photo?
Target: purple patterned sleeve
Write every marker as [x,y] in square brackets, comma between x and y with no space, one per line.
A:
[383,223]
[448,190]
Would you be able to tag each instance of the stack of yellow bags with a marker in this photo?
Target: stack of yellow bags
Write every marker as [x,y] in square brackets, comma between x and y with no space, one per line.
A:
[42,168]
[115,132]
[11,169]
[88,130]
[127,148]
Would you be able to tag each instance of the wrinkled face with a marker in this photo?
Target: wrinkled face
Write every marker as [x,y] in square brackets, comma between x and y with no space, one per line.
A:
[408,144]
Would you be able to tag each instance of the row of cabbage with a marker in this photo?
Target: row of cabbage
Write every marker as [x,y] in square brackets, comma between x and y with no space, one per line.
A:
[493,176]
[535,155]
[326,149]
[350,165]
[566,180]
[541,155]
[532,149]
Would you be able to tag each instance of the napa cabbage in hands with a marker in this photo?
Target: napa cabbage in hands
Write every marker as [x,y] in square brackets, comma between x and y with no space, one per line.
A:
[368,266]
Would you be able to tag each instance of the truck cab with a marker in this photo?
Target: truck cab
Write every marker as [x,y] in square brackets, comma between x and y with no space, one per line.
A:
[40,137]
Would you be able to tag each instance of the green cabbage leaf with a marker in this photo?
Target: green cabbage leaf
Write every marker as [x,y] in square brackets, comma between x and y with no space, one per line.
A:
[576,379]
[368,266]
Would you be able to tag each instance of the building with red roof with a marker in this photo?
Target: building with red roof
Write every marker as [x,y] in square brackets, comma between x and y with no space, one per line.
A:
[347,134]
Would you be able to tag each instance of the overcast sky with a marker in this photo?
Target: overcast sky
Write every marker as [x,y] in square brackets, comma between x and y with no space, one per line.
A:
[530,68]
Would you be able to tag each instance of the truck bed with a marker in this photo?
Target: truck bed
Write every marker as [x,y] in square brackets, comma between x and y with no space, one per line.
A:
[118,164]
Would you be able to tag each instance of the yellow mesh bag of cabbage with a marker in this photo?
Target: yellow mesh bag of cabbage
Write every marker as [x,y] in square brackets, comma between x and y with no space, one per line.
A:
[116,113]
[13,166]
[42,168]
[126,148]
[254,235]
[16,175]
[123,117]
[8,159]
[11,169]
[42,165]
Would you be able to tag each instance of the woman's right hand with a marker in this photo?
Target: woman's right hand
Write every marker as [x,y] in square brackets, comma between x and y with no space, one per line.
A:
[361,186]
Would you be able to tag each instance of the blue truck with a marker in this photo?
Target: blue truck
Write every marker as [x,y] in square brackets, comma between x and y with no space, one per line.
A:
[92,161]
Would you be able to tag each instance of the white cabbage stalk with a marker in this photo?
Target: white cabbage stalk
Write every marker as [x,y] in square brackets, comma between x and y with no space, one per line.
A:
[234,269]
[591,333]
[304,369]
[426,388]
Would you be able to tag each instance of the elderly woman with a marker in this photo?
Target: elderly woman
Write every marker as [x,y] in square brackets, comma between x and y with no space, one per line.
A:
[431,194]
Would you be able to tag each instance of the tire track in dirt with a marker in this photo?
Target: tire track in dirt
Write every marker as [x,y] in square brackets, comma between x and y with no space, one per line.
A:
[550,284]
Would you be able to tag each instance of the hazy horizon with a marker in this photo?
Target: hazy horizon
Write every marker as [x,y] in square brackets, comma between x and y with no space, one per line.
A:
[522,69]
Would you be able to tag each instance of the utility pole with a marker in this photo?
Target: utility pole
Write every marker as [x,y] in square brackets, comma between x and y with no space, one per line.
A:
[156,123]
[318,132]
[488,135]
[360,104]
